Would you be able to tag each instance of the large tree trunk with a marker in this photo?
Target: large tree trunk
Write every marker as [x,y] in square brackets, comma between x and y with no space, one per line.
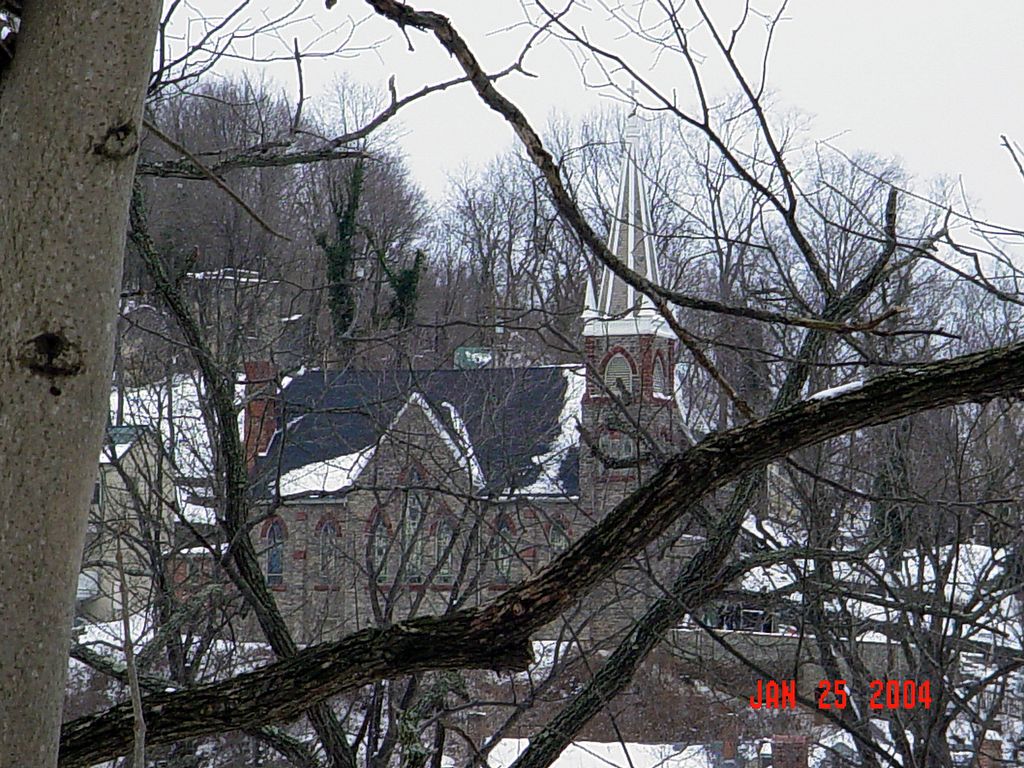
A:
[70,108]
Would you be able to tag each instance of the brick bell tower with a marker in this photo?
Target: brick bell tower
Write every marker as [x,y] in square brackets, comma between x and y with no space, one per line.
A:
[631,355]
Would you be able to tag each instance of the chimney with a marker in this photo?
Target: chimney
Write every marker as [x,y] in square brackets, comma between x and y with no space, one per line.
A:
[789,750]
[260,409]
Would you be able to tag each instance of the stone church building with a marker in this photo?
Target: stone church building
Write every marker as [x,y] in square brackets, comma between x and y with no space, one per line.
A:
[395,492]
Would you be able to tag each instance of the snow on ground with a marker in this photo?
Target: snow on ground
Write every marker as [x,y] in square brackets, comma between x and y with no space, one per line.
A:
[595,754]
[546,654]
[550,462]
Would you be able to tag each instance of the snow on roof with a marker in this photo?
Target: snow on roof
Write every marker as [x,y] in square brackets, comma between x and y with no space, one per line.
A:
[460,447]
[212,551]
[596,754]
[768,578]
[118,440]
[286,380]
[768,531]
[110,635]
[198,514]
[328,476]
[111,453]
[504,426]
[341,472]
[476,474]
[832,742]
[172,408]
[107,639]
[548,482]
[969,576]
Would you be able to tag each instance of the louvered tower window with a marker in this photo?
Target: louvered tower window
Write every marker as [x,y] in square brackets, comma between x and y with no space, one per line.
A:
[618,375]
[658,378]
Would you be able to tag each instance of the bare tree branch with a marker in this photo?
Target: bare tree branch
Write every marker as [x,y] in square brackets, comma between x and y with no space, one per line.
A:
[208,173]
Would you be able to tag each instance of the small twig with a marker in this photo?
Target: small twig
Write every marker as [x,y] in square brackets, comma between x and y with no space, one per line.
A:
[1013,154]
[217,180]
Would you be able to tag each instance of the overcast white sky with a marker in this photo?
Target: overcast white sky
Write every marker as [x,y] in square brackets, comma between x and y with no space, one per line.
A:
[934,82]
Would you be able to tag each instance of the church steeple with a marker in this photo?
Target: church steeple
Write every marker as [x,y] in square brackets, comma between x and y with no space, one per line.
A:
[630,355]
[616,308]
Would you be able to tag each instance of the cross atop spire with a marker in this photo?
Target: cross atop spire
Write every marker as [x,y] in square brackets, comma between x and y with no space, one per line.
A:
[617,308]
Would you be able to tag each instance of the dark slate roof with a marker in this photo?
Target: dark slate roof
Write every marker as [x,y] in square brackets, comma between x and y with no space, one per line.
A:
[510,414]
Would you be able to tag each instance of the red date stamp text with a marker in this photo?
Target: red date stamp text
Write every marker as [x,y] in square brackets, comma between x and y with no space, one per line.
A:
[832,694]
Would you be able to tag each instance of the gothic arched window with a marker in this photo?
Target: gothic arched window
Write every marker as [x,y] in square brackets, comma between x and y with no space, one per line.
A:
[380,547]
[444,550]
[275,553]
[618,375]
[413,531]
[558,539]
[504,552]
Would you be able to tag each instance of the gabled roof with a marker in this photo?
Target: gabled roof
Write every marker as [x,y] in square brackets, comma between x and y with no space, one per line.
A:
[514,429]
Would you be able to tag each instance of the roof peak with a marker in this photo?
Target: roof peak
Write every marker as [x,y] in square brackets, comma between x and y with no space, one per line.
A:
[631,241]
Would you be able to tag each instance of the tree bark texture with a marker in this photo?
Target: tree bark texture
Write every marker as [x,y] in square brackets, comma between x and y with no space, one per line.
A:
[70,110]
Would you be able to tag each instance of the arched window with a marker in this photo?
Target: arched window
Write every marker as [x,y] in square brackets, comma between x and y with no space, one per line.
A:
[504,552]
[618,375]
[658,378]
[558,539]
[275,553]
[380,545]
[327,539]
[414,535]
[444,550]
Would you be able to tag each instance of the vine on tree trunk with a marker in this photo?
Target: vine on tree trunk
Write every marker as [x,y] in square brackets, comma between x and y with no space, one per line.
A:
[341,252]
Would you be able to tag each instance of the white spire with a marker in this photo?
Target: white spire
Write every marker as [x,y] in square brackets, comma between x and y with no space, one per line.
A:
[617,308]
